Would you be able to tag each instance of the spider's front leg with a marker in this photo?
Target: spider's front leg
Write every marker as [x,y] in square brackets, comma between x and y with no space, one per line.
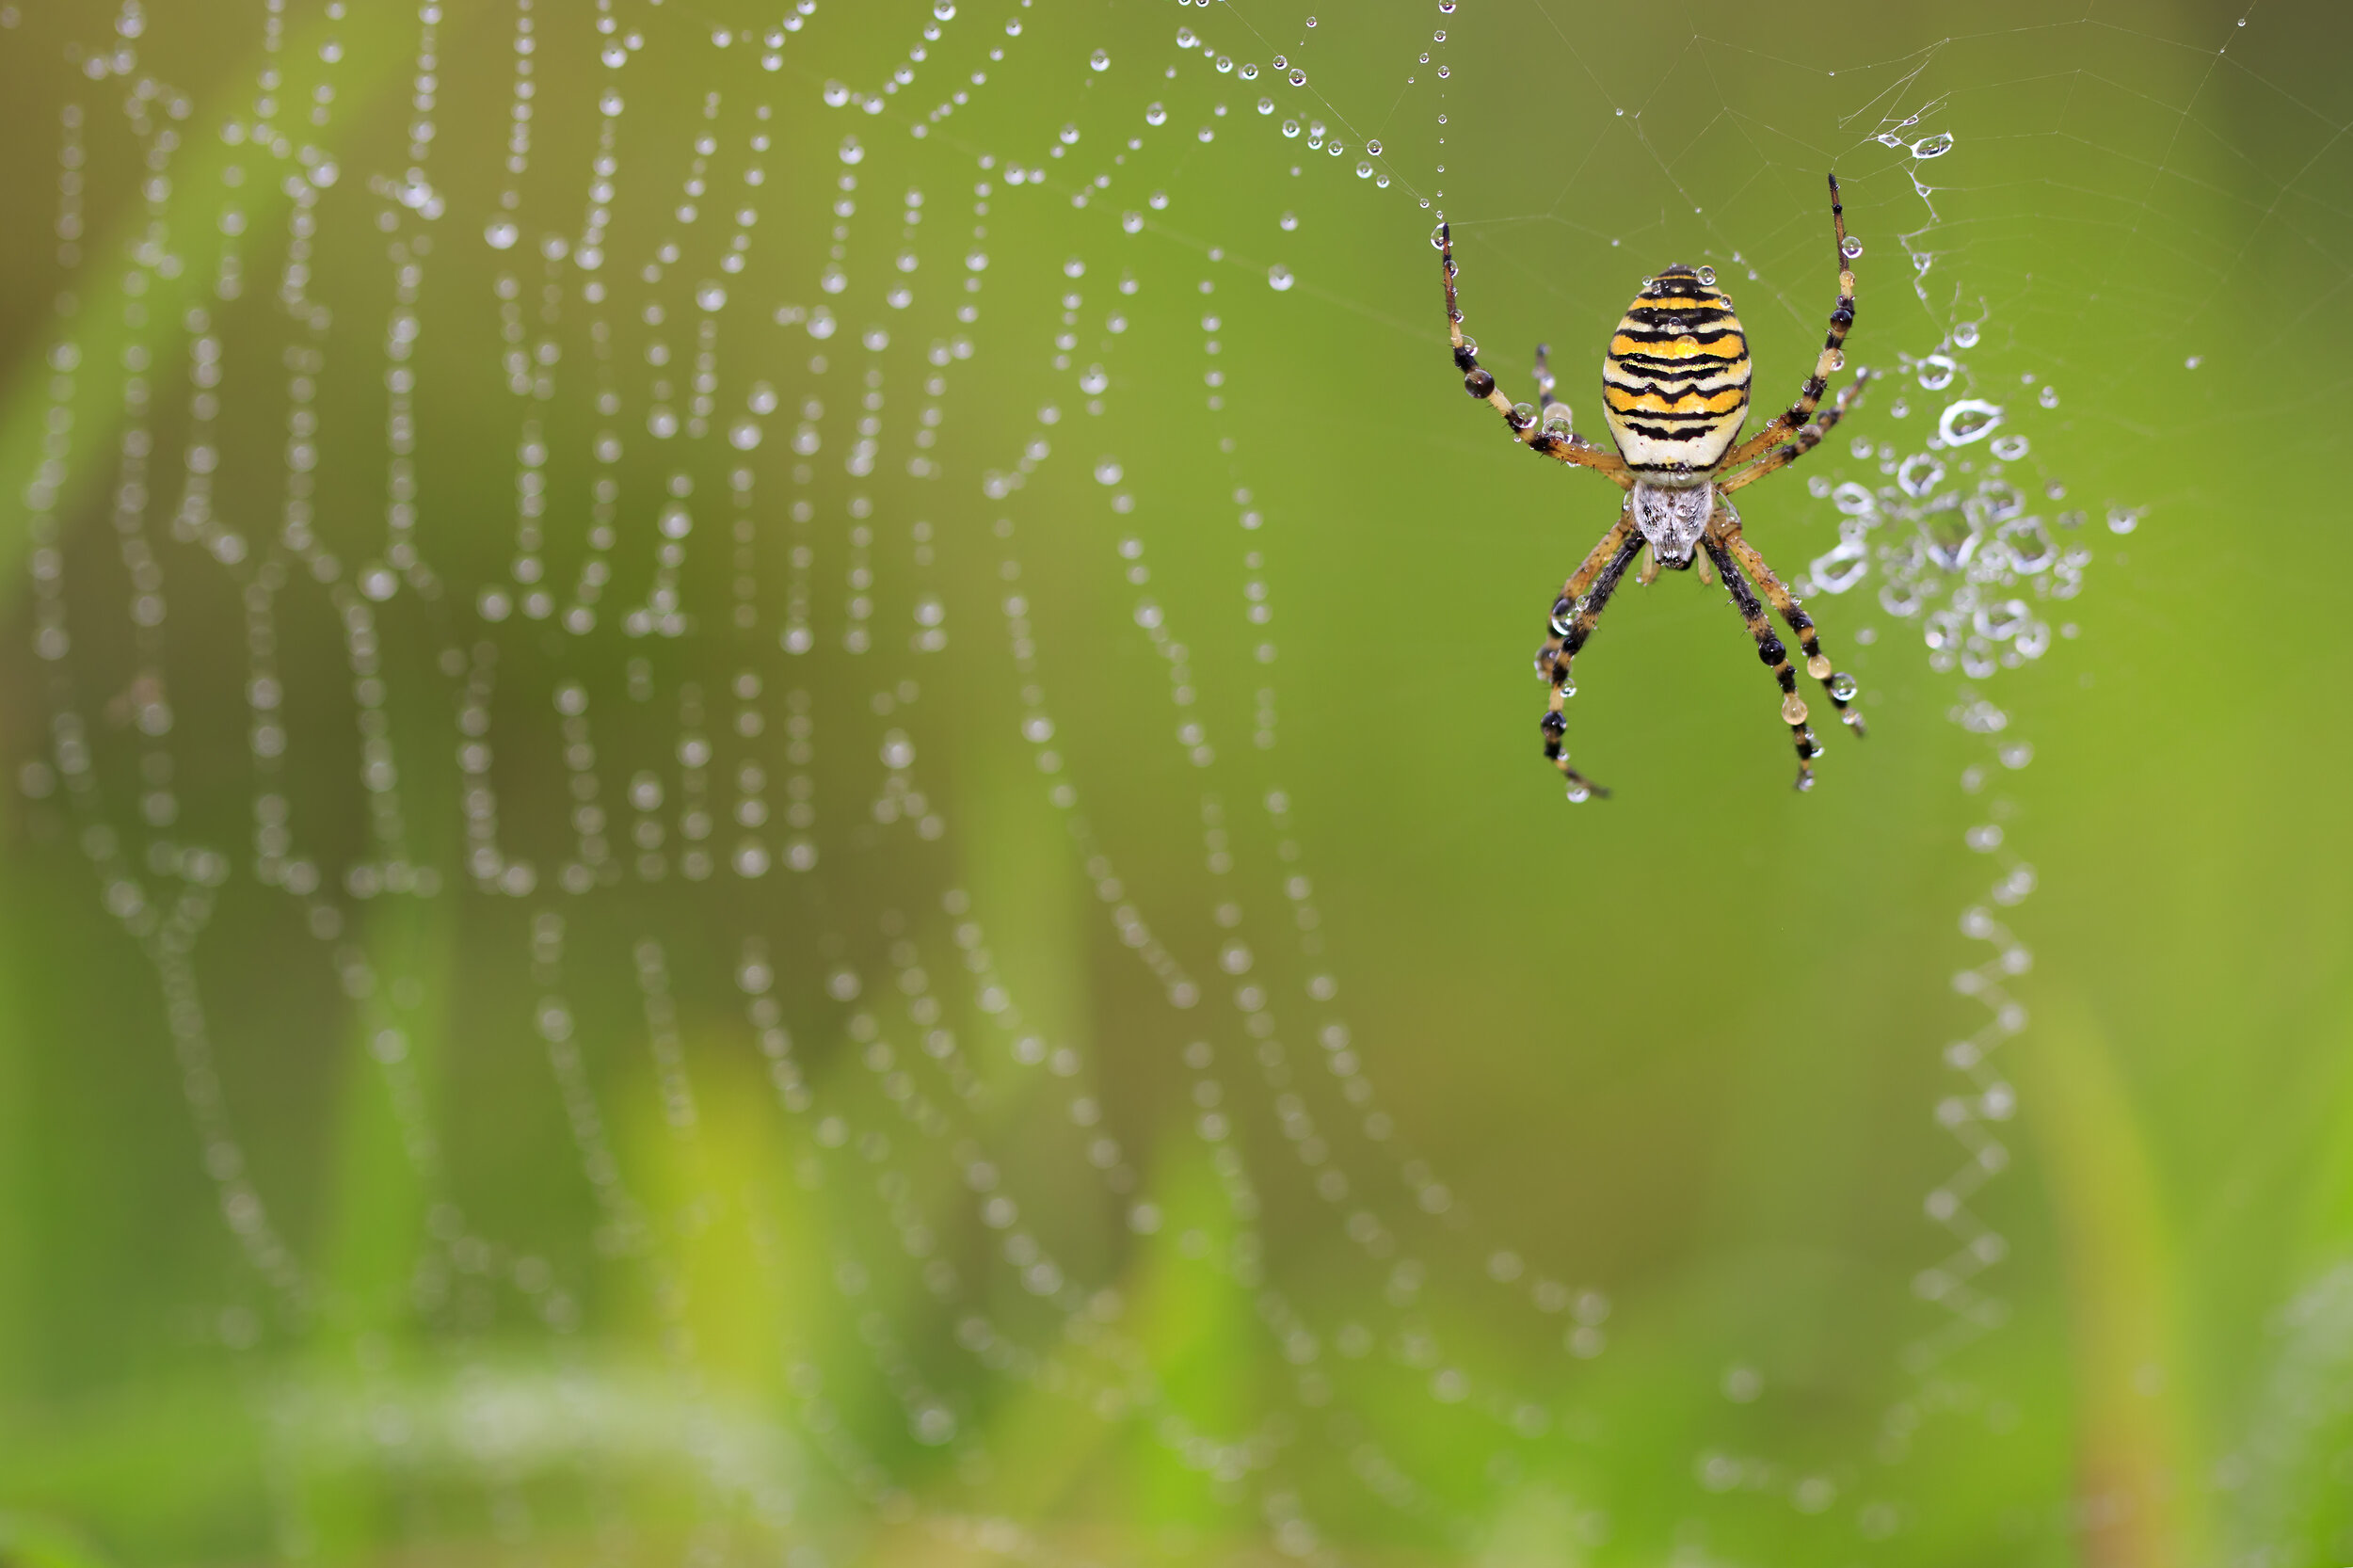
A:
[1837,683]
[1584,597]
[1769,647]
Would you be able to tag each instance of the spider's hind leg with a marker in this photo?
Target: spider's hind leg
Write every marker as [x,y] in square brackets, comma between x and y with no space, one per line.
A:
[1573,613]
[1839,685]
[1770,649]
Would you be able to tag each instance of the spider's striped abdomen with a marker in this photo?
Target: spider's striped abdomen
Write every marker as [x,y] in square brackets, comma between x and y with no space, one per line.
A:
[1675,386]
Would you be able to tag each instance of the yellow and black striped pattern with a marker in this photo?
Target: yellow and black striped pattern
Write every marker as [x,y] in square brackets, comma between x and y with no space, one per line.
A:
[1675,385]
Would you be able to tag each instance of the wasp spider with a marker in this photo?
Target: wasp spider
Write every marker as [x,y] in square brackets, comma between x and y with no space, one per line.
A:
[1674,391]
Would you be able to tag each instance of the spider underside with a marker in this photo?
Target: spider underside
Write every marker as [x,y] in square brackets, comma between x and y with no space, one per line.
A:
[1675,391]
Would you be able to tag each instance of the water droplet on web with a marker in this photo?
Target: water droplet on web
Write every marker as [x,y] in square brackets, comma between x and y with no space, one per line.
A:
[851,151]
[1967,420]
[2049,397]
[1290,127]
[1932,147]
[944,10]
[2010,448]
[745,436]
[1107,472]
[1363,170]
[2124,519]
[501,235]
[2193,361]
[1155,114]
[1373,148]
[1299,77]
[1133,221]
[1279,278]
[1965,335]
[1100,59]
[1852,247]
[1936,372]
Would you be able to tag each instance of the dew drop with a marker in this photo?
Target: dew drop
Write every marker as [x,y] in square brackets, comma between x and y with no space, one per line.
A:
[1373,148]
[1299,77]
[944,10]
[1107,472]
[1131,221]
[1968,419]
[1100,59]
[1850,247]
[1707,276]
[1279,278]
[501,235]
[1363,170]
[2049,397]
[1290,127]
[1156,112]
[1844,686]
[1965,335]
[1437,238]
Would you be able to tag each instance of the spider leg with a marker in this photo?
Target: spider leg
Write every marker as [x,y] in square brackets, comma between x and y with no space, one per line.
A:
[1584,597]
[1840,687]
[1808,438]
[1545,401]
[1834,352]
[1770,649]
[1527,429]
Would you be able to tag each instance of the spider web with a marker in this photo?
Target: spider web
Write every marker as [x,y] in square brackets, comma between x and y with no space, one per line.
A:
[777,715]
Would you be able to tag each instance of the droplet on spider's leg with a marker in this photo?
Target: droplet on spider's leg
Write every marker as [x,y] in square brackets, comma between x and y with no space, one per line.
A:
[1523,414]
[1563,615]
[1852,248]
[1479,384]
[1793,709]
[1844,686]
[1818,667]
[1557,422]
[1554,725]
[1438,237]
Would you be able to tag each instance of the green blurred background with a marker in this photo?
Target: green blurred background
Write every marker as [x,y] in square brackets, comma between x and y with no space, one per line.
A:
[1309,1137]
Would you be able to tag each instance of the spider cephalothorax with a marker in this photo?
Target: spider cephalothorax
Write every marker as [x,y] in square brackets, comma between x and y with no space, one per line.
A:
[1675,391]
